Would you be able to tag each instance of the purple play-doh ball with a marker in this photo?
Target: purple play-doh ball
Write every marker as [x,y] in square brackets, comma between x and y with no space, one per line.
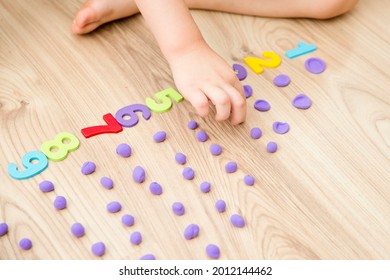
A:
[114,207]
[77,230]
[237,220]
[213,251]
[124,150]
[136,238]
[107,182]
[139,174]
[191,231]
[188,173]
[215,149]
[192,125]
[155,188]
[46,186]
[60,202]
[148,257]
[202,136]
[181,158]
[88,167]
[3,229]
[205,187]
[98,249]
[25,244]
[178,208]
[128,220]
[249,180]
[272,147]
[160,136]
[220,205]
[256,133]
[231,167]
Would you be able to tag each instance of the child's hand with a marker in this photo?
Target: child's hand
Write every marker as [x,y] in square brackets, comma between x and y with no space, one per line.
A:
[201,76]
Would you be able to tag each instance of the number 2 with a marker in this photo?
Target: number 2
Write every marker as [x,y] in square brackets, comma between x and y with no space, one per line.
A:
[166,103]
[32,169]
[256,63]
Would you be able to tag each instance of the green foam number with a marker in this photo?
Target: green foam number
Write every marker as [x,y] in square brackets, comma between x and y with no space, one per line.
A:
[164,97]
[58,149]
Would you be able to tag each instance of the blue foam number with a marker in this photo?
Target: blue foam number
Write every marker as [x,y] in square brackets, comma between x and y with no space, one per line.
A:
[32,169]
[130,111]
[302,49]
[163,97]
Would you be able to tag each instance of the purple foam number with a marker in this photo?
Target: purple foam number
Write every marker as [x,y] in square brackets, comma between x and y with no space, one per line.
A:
[3,229]
[262,105]
[77,230]
[191,231]
[240,71]
[123,150]
[301,101]
[136,238]
[130,111]
[315,65]
[46,186]
[213,251]
[237,220]
[139,174]
[25,244]
[98,249]
[248,91]
[282,80]
[280,127]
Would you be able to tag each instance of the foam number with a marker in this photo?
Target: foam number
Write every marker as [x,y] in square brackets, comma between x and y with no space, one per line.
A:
[112,127]
[302,49]
[257,64]
[165,102]
[130,111]
[58,149]
[32,168]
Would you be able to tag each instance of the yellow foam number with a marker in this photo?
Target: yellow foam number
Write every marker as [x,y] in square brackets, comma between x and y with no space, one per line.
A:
[257,64]
[58,149]
[165,102]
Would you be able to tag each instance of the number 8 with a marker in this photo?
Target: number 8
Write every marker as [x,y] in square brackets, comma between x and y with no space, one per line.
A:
[58,149]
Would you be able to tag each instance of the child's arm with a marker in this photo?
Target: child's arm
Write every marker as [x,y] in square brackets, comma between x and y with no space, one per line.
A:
[199,73]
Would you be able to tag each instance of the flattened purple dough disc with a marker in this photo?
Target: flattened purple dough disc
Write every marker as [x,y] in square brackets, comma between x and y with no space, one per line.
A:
[315,65]
[262,105]
[282,80]
[280,127]
[240,71]
[301,101]
[248,91]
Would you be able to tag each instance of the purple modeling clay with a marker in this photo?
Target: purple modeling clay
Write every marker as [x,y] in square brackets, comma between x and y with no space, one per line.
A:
[181,158]
[123,150]
[148,257]
[114,207]
[205,187]
[248,91]
[249,180]
[240,71]
[136,238]
[98,249]
[220,205]
[88,168]
[272,147]
[315,65]
[107,182]
[262,105]
[192,125]
[282,80]
[213,251]
[128,220]
[46,186]
[231,167]
[215,149]
[202,136]
[3,229]
[191,231]
[237,220]
[155,188]
[160,136]
[60,202]
[77,230]
[178,208]
[301,101]
[188,173]
[139,174]
[256,133]
[25,244]
[280,127]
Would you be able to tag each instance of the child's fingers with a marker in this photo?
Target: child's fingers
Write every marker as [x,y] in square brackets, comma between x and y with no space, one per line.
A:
[238,104]
[199,101]
[221,101]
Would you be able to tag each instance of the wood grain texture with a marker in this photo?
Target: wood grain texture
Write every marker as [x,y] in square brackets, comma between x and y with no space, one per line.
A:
[323,195]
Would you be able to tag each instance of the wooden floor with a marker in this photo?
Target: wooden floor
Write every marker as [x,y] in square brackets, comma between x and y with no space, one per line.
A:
[325,194]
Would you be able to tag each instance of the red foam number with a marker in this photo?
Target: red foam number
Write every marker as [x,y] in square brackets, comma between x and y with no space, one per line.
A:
[112,127]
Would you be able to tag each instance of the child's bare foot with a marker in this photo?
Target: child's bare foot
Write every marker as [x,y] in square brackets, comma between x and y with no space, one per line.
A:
[97,12]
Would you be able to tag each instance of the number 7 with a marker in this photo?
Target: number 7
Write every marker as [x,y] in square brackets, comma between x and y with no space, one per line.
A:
[112,127]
